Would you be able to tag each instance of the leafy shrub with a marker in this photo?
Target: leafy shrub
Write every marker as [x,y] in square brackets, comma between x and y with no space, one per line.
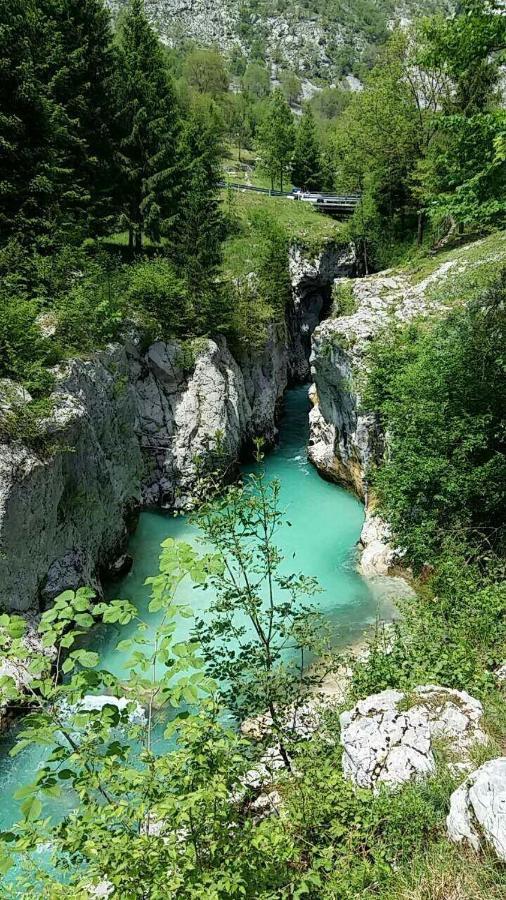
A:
[159,297]
[355,842]
[25,353]
[89,315]
[440,393]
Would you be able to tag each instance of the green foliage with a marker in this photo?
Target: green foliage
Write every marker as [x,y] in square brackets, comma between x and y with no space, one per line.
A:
[445,469]
[159,298]
[357,841]
[291,86]
[148,123]
[306,161]
[464,178]
[56,164]
[421,139]
[205,71]
[276,139]
[25,353]
[201,226]
[256,80]
[260,298]
[261,630]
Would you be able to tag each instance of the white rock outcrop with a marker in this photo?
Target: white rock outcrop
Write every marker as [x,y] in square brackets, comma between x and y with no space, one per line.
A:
[478,809]
[378,555]
[97,702]
[346,440]
[388,737]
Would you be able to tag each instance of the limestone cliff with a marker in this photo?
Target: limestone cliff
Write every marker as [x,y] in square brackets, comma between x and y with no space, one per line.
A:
[126,429]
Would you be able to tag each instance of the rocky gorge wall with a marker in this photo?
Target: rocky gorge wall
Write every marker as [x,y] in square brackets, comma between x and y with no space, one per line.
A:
[125,431]
[346,440]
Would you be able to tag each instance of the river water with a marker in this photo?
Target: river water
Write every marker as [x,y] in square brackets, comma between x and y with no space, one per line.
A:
[325,526]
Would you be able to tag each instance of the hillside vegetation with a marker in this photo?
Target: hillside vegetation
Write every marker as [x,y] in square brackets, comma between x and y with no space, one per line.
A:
[323,39]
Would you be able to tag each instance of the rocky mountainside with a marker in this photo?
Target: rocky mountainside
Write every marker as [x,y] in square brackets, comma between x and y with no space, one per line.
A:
[316,39]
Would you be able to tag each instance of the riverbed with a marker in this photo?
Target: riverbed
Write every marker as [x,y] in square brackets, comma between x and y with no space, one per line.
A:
[325,524]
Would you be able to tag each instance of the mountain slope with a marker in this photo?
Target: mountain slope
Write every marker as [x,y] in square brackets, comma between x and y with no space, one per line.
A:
[319,38]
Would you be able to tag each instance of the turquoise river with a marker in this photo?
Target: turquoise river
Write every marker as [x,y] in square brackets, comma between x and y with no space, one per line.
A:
[325,526]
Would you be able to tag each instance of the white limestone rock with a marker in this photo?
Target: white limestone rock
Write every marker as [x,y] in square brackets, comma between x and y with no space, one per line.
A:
[388,737]
[478,809]
[63,512]
[378,555]
[500,674]
[12,395]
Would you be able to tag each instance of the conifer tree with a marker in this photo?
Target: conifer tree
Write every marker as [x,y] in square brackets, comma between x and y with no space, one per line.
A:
[201,227]
[307,159]
[81,69]
[56,67]
[276,139]
[29,163]
[149,118]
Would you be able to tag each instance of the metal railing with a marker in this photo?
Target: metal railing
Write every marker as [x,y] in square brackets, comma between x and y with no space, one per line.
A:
[343,201]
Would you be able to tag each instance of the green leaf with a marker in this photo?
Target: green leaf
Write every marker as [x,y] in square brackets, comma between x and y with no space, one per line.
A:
[31,808]
[84,620]
[86,658]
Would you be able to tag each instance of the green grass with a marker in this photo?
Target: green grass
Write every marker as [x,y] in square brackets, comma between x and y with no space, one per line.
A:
[476,265]
[303,225]
[244,171]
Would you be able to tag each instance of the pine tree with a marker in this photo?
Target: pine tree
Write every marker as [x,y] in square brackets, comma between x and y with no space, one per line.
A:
[56,67]
[29,161]
[307,158]
[276,139]
[80,71]
[149,118]
[198,249]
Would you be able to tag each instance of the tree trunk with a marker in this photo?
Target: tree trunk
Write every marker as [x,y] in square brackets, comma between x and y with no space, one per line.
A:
[421,228]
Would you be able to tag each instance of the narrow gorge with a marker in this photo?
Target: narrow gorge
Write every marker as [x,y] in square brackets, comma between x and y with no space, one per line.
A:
[126,430]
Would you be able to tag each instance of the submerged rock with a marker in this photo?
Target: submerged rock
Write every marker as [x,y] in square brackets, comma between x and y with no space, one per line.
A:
[478,809]
[388,737]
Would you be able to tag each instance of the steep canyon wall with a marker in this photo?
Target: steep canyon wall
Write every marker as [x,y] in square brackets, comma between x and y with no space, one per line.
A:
[125,432]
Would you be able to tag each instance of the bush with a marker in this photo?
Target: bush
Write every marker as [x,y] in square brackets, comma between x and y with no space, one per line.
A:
[440,393]
[91,313]
[159,297]
[25,353]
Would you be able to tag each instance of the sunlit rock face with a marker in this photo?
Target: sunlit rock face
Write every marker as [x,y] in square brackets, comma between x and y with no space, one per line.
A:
[477,814]
[388,738]
[346,440]
[64,508]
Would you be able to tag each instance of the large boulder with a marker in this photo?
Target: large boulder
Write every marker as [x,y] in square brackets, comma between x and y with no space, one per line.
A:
[388,737]
[478,809]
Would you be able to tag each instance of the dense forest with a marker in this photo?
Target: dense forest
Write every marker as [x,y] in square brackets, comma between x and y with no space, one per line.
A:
[115,150]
